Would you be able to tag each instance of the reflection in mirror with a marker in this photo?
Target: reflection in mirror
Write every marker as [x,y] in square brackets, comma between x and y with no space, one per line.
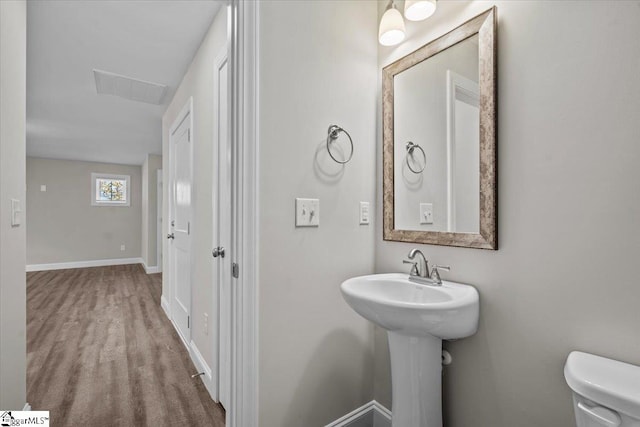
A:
[437,142]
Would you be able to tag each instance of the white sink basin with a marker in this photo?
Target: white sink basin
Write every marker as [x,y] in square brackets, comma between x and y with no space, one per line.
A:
[396,304]
[417,317]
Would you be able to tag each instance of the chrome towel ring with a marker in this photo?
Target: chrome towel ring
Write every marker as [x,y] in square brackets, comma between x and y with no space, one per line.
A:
[411,147]
[332,135]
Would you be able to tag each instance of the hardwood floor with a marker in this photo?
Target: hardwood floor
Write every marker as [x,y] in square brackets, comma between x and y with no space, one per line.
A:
[101,352]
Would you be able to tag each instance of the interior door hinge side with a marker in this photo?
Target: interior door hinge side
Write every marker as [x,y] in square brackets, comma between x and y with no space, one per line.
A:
[235,270]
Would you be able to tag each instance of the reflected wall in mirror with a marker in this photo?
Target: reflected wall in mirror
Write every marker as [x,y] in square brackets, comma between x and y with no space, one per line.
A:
[436,111]
[439,140]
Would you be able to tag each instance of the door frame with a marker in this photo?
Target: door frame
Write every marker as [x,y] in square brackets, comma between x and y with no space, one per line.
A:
[159,219]
[456,83]
[244,96]
[186,110]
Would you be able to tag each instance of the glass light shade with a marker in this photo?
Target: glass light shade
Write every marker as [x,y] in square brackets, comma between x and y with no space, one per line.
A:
[391,28]
[417,10]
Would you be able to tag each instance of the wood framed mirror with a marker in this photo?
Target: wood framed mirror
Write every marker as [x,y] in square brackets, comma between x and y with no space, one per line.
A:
[439,109]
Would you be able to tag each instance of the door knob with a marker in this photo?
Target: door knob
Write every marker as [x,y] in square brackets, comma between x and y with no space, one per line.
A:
[171,236]
[218,252]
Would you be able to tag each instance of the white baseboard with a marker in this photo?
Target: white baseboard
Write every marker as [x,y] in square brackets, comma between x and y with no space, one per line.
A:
[165,306]
[373,413]
[167,310]
[197,358]
[27,407]
[83,264]
[150,270]
[201,366]
[381,415]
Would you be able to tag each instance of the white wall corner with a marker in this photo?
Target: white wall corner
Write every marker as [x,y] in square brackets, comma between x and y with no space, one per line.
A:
[369,414]
[84,264]
[150,270]
[202,366]
[27,407]
[381,415]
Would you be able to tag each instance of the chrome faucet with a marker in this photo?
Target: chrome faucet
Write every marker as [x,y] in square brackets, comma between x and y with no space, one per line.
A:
[420,272]
[420,268]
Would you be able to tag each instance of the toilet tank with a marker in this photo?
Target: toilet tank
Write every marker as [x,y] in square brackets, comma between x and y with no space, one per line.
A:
[606,393]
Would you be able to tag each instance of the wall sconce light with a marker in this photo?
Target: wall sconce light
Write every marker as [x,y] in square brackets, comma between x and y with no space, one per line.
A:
[418,10]
[391,31]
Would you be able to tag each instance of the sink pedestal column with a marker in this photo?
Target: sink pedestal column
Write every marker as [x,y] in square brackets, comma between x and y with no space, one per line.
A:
[416,378]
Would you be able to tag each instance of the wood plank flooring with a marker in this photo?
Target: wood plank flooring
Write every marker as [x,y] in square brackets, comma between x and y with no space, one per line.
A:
[101,352]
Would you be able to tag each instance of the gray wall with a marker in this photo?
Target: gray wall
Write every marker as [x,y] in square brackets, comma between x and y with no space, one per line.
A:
[565,277]
[317,68]
[198,83]
[150,167]
[62,226]
[13,348]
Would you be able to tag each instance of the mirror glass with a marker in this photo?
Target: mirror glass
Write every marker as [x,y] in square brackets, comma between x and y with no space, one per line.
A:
[436,144]
[439,144]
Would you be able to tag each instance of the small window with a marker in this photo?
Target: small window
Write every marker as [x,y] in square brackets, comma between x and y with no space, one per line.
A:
[109,190]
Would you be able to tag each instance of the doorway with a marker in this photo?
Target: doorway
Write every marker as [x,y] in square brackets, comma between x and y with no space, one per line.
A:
[463,151]
[241,129]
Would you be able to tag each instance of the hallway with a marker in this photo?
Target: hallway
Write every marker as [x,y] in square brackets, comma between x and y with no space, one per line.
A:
[101,352]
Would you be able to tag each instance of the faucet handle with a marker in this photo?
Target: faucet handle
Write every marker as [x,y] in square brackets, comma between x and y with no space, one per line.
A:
[435,274]
[414,267]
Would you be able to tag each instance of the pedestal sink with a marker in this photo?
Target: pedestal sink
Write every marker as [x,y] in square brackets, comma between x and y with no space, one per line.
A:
[417,318]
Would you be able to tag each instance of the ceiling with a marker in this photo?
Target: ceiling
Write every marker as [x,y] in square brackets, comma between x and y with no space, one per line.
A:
[147,40]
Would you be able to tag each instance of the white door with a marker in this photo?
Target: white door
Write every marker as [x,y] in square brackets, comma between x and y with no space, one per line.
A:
[222,267]
[180,224]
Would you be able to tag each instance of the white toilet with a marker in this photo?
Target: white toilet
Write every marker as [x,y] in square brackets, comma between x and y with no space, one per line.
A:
[606,393]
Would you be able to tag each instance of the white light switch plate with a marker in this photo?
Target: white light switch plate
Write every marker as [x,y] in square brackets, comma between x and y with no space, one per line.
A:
[43,188]
[364,213]
[426,213]
[16,213]
[307,212]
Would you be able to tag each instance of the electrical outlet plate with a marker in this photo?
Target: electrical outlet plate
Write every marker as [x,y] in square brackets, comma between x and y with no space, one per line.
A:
[307,212]
[426,213]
